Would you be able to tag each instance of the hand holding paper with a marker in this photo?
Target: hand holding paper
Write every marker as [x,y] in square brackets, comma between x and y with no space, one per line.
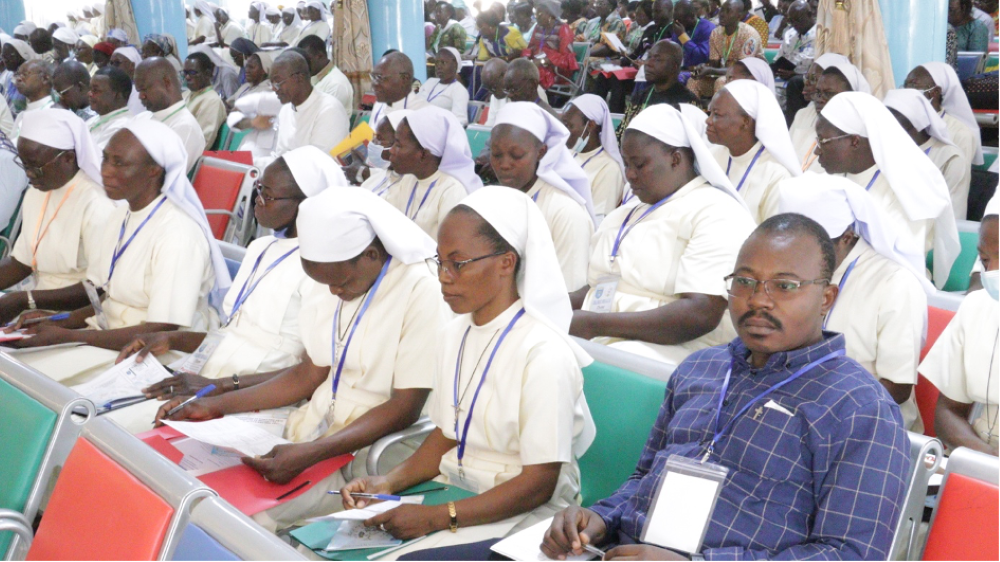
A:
[232,433]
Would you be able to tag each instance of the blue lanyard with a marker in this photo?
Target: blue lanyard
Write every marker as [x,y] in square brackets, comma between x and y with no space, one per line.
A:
[725,387]
[623,231]
[462,437]
[928,151]
[872,182]
[354,328]
[840,287]
[430,95]
[388,187]
[413,194]
[627,198]
[245,293]
[535,196]
[587,161]
[119,249]
[746,173]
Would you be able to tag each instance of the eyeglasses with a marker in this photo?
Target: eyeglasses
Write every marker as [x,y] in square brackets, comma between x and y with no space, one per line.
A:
[258,189]
[63,92]
[822,142]
[35,171]
[22,76]
[453,267]
[276,84]
[379,78]
[191,72]
[742,287]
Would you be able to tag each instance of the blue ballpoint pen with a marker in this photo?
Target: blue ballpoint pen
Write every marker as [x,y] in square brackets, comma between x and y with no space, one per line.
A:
[382,497]
[53,318]
[201,394]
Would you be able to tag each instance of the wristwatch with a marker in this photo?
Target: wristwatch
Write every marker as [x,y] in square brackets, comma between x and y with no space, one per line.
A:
[453,524]
[236,381]
[31,301]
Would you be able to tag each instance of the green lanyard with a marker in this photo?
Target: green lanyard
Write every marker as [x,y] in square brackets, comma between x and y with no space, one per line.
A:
[725,54]
[106,118]
[174,112]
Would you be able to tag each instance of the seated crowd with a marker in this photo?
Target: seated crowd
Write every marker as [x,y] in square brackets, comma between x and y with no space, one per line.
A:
[769,251]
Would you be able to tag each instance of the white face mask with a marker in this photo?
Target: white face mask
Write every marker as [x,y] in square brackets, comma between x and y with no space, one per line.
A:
[580,144]
[991,282]
[375,158]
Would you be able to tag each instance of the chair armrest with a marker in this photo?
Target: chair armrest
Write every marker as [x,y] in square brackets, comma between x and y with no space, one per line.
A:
[219,212]
[15,522]
[422,428]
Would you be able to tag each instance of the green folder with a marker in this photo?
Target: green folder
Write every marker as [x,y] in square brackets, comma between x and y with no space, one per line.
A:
[317,535]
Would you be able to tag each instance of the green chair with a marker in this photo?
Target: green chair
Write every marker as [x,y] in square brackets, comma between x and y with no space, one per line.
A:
[616,119]
[958,279]
[26,427]
[222,139]
[989,157]
[479,137]
[770,55]
[235,138]
[624,406]
[9,234]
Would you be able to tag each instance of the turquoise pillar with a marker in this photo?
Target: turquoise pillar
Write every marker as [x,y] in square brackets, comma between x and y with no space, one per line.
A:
[398,24]
[916,33]
[161,16]
[11,14]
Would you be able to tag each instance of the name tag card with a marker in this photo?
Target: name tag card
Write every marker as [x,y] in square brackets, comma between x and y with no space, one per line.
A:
[604,294]
[95,301]
[196,361]
[682,507]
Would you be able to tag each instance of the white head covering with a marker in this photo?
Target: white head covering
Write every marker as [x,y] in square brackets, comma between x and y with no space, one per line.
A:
[129,52]
[207,9]
[916,181]
[89,39]
[854,76]
[63,130]
[760,70]
[66,35]
[297,21]
[98,7]
[272,11]
[440,132]
[28,25]
[21,29]
[313,170]
[118,34]
[167,150]
[217,59]
[338,224]
[324,10]
[594,108]
[837,203]
[696,117]
[558,167]
[955,102]
[919,112]
[261,10]
[669,126]
[23,49]
[769,121]
[992,206]
[825,60]
[396,117]
[454,52]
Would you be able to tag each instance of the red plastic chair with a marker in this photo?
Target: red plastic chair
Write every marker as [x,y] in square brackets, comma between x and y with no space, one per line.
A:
[925,392]
[100,511]
[964,525]
[225,190]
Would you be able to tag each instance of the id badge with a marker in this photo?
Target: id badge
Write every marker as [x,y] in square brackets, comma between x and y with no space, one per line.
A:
[682,506]
[196,361]
[604,294]
[95,301]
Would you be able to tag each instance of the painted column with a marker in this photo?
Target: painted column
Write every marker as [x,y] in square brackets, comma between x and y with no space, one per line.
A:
[161,16]
[916,33]
[398,24]
[11,14]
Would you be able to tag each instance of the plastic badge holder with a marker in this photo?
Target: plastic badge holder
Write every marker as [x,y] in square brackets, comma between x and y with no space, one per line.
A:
[683,504]
[95,301]
[196,361]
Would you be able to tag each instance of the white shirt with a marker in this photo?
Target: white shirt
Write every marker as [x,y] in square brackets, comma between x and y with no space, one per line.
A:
[259,33]
[531,409]
[961,135]
[956,170]
[333,82]
[264,335]
[496,104]
[319,28]
[43,103]
[799,50]
[882,312]
[687,245]
[204,28]
[760,188]
[571,228]
[452,97]
[469,25]
[6,118]
[288,34]
[165,274]
[606,179]
[426,208]
[964,360]
[381,109]
[319,121]
[68,240]
[209,110]
[180,119]
[394,347]
[230,32]
[103,127]
[380,181]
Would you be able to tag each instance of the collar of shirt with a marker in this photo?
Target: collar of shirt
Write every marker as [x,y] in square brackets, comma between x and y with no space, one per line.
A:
[780,364]
[312,100]
[323,73]
[40,104]
[163,113]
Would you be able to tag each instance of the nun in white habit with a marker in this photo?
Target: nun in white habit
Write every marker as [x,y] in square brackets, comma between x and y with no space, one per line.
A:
[159,267]
[320,27]
[288,32]
[551,177]
[135,106]
[752,144]
[262,307]
[759,70]
[205,26]
[957,111]
[432,152]
[382,176]
[525,422]
[831,78]
[803,129]
[917,116]
[453,95]
[655,283]
[596,149]
[881,307]
[904,182]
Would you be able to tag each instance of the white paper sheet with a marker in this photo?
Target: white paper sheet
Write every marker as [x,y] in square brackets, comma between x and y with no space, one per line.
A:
[681,512]
[231,432]
[202,458]
[127,378]
[353,535]
[615,43]
[526,545]
[368,511]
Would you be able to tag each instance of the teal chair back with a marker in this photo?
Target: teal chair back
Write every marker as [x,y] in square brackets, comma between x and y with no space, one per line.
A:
[624,406]
[958,279]
[26,427]
[478,136]
[236,138]
[222,139]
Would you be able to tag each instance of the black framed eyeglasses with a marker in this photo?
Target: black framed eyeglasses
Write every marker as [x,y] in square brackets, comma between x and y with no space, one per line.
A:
[743,287]
[263,200]
[454,267]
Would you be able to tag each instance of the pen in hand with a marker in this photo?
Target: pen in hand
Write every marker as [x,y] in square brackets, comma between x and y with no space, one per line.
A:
[382,497]
[201,394]
[53,318]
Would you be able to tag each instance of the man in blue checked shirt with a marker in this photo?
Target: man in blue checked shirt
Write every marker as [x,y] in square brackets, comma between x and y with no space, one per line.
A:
[816,463]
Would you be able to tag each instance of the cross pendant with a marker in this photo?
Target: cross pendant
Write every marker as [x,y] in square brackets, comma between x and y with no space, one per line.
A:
[758,413]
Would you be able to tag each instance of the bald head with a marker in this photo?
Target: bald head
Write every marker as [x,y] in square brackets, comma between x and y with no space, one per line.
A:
[493,73]
[291,74]
[392,77]
[37,79]
[801,16]
[292,62]
[521,80]
[156,81]
[73,80]
[398,62]
[686,13]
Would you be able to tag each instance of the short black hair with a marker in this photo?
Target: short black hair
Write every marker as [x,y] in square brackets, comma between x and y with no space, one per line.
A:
[523,9]
[646,7]
[488,17]
[497,243]
[448,7]
[312,43]
[796,224]
[204,62]
[121,84]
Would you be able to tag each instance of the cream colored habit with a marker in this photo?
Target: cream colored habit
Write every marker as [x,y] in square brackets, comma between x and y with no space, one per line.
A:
[606,180]
[760,188]
[686,246]
[957,172]
[916,235]
[427,201]
[571,229]
[208,109]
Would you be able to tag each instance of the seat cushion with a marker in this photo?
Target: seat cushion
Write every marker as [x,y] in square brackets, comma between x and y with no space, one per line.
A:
[100,511]
[196,544]
[965,523]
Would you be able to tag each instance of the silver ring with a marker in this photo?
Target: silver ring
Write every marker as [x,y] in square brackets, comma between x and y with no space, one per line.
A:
[381,526]
[171,389]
